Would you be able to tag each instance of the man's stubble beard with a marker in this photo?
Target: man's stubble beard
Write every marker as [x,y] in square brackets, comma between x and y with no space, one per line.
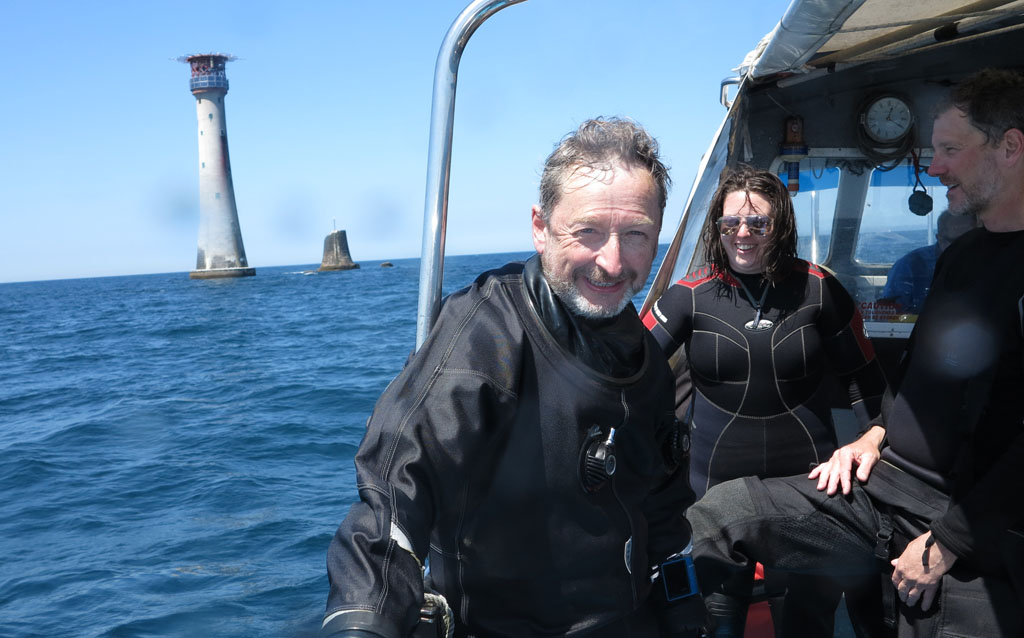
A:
[570,294]
[977,199]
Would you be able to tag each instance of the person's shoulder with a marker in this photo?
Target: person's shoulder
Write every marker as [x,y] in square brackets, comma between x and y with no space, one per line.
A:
[990,240]
[510,273]
[489,296]
[975,243]
[815,279]
[470,317]
[922,251]
[699,277]
[921,257]
[804,267]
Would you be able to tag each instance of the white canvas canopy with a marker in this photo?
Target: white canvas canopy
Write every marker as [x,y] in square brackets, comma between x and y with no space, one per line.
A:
[853,46]
[816,34]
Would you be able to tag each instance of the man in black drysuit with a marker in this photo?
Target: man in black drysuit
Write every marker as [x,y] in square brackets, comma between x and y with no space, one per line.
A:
[529,449]
[939,504]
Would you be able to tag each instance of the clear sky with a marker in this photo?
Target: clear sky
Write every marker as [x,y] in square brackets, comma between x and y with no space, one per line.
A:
[327,118]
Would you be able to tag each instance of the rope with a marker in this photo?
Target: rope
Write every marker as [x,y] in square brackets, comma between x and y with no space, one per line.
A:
[437,600]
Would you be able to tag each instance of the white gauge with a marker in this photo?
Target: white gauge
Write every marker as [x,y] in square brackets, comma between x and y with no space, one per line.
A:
[887,119]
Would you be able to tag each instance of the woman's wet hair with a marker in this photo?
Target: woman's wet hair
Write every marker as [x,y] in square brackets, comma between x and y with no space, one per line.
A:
[780,245]
[599,144]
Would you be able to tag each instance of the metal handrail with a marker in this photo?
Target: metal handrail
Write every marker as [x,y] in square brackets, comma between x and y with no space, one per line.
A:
[723,96]
[208,81]
[439,158]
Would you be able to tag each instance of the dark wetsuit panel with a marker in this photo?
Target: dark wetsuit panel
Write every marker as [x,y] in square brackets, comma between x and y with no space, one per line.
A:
[761,407]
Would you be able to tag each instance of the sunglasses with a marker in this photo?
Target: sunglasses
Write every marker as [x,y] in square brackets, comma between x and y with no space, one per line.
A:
[756,224]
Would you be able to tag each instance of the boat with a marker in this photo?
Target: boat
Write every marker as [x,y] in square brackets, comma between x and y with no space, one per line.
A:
[838,100]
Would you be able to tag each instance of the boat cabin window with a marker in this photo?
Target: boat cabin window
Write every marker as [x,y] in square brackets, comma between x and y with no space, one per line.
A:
[889,230]
[815,208]
[856,221]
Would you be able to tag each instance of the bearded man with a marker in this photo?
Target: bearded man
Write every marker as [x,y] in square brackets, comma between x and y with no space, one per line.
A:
[529,449]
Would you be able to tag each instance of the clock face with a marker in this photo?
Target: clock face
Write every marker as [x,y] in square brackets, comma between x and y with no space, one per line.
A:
[887,119]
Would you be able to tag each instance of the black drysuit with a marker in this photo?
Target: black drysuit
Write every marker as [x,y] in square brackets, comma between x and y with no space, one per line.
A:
[472,456]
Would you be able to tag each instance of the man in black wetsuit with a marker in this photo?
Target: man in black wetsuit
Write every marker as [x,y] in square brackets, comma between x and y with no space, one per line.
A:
[529,449]
[939,495]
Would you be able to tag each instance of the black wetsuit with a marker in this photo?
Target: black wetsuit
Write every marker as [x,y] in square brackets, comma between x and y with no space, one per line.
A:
[761,407]
[957,420]
[472,458]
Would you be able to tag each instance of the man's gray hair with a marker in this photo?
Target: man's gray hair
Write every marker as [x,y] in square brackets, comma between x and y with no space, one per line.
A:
[599,144]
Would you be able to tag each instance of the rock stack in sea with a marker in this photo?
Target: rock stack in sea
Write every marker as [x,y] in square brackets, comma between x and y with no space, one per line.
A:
[336,256]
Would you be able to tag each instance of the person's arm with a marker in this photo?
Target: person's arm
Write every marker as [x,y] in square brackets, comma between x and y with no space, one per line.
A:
[670,322]
[974,526]
[972,530]
[420,440]
[852,356]
[977,523]
[669,534]
[850,352]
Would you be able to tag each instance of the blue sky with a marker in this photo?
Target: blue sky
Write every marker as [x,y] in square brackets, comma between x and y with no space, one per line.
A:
[327,118]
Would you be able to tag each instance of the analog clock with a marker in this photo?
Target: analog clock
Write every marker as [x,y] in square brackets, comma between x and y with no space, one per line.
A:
[886,119]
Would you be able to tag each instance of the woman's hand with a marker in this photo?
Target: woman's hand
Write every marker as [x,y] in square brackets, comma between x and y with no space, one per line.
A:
[838,470]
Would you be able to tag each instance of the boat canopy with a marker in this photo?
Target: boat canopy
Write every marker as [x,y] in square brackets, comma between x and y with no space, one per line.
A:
[819,35]
[820,63]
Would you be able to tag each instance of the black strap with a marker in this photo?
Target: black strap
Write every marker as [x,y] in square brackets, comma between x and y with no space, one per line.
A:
[883,538]
[883,551]
[758,305]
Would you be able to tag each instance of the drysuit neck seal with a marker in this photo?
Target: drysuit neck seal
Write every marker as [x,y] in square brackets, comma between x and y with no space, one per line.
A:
[613,347]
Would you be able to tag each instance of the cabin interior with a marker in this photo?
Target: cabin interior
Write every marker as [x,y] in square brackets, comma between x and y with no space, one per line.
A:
[852,193]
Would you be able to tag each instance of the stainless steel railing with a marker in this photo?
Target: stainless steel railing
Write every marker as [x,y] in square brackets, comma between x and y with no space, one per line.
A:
[439,158]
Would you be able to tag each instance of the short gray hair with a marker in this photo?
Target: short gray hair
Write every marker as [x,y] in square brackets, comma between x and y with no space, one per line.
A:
[598,144]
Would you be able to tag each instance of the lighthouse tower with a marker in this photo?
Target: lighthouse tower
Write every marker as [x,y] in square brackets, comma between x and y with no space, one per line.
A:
[220,253]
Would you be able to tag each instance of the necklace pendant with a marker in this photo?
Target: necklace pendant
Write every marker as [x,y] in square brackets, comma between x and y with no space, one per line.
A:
[760,324]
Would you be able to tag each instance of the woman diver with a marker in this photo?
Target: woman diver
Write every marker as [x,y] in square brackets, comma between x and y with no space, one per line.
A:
[759,329]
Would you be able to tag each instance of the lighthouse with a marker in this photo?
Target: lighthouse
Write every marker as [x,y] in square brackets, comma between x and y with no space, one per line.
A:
[220,252]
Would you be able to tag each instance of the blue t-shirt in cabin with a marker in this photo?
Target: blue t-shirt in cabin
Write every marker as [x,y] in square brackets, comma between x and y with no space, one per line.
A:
[910,278]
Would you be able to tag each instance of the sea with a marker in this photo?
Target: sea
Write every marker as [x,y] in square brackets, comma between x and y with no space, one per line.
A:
[176,454]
